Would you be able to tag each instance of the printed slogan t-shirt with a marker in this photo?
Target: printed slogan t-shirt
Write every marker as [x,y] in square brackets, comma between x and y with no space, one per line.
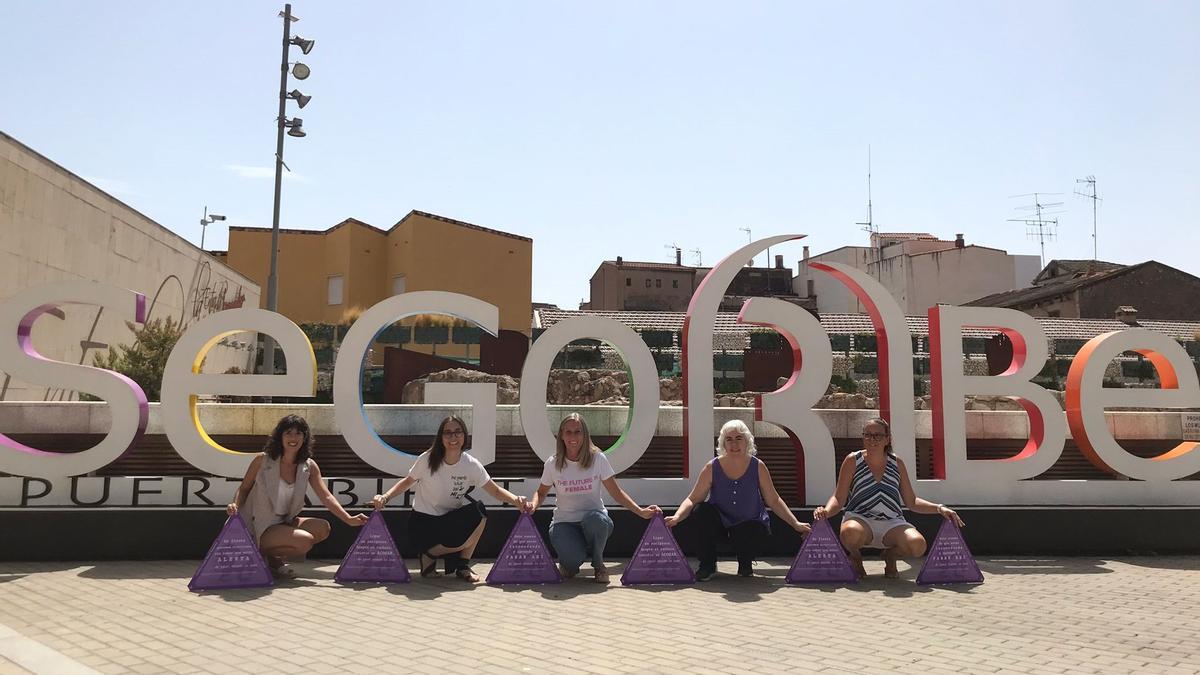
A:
[577,490]
[441,492]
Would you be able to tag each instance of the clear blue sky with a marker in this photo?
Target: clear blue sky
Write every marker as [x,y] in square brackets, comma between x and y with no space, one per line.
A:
[617,128]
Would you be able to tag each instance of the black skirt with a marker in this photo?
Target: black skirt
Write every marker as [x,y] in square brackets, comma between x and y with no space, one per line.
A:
[450,530]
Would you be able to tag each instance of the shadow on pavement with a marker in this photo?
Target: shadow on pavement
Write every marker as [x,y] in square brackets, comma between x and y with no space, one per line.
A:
[246,594]
[1036,565]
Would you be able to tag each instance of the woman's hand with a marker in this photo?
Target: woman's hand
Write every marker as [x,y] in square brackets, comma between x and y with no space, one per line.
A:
[231,510]
[379,501]
[820,513]
[522,504]
[949,514]
[802,528]
[672,521]
[357,520]
[648,512]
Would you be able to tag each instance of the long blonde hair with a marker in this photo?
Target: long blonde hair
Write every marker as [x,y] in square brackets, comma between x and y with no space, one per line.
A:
[586,450]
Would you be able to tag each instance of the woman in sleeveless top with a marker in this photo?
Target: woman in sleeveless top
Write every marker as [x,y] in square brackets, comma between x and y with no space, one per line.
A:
[738,489]
[272,494]
[446,522]
[872,487]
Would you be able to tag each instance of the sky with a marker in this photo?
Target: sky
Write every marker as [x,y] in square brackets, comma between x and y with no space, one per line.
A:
[625,128]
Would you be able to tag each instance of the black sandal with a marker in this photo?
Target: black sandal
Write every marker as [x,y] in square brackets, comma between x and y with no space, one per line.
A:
[453,561]
[465,572]
[429,570]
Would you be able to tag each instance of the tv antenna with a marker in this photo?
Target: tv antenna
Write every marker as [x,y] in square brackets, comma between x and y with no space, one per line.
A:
[699,260]
[678,252]
[1091,194]
[1038,226]
[749,239]
[870,226]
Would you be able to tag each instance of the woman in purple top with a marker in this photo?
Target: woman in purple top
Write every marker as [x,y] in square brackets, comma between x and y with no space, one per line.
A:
[738,489]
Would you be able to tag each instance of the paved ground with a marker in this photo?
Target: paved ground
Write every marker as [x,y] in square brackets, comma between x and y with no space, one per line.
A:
[1078,615]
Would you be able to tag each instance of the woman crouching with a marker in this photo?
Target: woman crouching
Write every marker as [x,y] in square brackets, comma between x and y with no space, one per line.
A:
[446,522]
[272,494]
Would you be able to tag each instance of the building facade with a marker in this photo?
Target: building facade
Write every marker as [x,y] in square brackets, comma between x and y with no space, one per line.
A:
[56,226]
[621,285]
[1099,290]
[330,276]
[919,270]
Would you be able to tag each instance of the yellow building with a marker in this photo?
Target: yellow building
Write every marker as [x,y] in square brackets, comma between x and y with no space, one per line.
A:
[331,276]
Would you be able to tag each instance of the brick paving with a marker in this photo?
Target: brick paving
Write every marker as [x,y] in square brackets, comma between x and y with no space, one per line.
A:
[1072,615]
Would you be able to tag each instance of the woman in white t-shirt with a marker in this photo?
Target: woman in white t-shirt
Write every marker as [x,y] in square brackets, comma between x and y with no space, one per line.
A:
[445,521]
[581,526]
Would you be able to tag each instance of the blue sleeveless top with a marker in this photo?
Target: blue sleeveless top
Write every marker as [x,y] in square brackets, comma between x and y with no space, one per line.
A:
[871,499]
[738,500]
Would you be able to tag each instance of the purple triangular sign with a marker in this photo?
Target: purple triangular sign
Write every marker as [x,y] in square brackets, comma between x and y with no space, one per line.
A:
[524,558]
[373,556]
[658,559]
[949,560]
[821,559]
[233,561]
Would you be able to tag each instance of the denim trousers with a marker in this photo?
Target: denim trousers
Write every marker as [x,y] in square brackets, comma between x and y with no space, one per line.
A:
[575,542]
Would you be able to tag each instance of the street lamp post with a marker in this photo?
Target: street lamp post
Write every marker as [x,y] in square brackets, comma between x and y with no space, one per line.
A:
[294,128]
[208,219]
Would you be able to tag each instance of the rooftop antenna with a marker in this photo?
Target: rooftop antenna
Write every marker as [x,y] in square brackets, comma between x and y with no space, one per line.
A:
[748,240]
[870,227]
[1091,183]
[1038,227]
[678,252]
[699,260]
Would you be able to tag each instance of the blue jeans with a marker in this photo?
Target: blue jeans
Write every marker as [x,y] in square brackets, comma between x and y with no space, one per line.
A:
[576,541]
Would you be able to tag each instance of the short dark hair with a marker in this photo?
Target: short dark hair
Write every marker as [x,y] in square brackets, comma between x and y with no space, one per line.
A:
[274,446]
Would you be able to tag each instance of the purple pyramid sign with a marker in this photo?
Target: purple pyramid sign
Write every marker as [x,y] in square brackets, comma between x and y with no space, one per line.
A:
[373,556]
[658,559]
[524,558]
[233,561]
[821,559]
[949,560]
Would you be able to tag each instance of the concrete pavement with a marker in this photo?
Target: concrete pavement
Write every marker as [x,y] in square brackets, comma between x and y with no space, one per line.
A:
[1075,615]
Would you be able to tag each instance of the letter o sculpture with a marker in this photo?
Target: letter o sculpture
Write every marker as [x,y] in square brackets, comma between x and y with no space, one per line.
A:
[643,392]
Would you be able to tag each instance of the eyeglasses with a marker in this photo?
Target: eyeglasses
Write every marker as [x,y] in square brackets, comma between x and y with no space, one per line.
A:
[874,437]
[454,432]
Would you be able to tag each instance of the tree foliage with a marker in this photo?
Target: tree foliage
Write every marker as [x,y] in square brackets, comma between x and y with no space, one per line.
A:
[145,359]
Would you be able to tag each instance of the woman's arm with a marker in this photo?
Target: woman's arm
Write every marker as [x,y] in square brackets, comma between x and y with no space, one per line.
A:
[327,498]
[915,503]
[243,491]
[538,497]
[503,495]
[379,501]
[614,489]
[698,494]
[841,493]
[772,499]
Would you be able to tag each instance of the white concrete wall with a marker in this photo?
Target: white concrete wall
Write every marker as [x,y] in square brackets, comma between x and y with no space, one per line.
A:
[949,275]
[55,226]
[955,276]
[832,296]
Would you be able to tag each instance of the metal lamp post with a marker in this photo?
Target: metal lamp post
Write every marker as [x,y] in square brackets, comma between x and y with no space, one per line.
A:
[294,128]
[208,219]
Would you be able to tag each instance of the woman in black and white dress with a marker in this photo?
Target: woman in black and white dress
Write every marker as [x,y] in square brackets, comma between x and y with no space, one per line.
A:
[446,522]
